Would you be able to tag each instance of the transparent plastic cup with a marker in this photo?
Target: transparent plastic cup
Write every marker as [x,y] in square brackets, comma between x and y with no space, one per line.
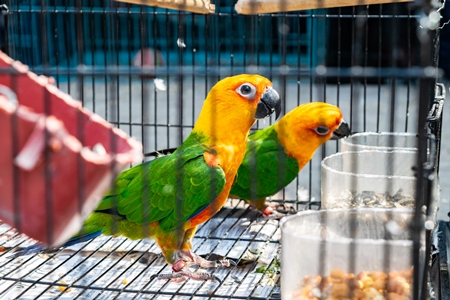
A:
[386,141]
[369,178]
[344,244]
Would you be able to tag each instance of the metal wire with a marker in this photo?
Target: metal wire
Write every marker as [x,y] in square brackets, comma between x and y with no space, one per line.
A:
[371,89]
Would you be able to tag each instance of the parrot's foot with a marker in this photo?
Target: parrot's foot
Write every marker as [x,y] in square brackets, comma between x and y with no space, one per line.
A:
[272,213]
[188,259]
[268,210]
[277,211]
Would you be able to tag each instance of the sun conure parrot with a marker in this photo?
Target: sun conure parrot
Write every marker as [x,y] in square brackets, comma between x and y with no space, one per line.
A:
[168,197]
[276,154]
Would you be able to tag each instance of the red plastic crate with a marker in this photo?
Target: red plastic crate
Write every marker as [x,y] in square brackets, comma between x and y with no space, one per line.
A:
[51,176]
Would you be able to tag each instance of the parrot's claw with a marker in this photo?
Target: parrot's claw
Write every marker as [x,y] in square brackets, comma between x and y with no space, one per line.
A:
[275,215]
[270,213]
[230,262]
[285,209]
[189,258]
[276,212]
[201,276]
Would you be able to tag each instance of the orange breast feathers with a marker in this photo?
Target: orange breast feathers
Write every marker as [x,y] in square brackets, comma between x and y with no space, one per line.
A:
[231,157]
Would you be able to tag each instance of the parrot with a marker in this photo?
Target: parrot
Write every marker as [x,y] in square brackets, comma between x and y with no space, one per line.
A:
[168,197]
[275,155]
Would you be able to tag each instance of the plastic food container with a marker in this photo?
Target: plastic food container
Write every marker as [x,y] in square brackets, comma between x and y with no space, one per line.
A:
[385,141]
[369,178]
[57,159]
[329,254]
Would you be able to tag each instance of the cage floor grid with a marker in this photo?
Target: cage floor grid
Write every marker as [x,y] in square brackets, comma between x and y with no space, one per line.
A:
[118,268]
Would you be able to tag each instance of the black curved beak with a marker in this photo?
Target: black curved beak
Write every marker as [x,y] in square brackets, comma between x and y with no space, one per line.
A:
[270,102]
[342,131]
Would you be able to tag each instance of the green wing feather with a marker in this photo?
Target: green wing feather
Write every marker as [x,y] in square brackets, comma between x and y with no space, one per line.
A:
[266,168]
[170,189]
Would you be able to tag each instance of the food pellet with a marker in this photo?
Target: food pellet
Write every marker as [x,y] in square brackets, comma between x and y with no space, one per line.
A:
[63,288]
[396,285]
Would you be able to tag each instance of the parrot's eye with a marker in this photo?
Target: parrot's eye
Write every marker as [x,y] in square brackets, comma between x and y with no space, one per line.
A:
[246,90]
[322,130]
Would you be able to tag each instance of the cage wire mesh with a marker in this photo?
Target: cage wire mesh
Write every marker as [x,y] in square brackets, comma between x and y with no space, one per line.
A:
[147,71]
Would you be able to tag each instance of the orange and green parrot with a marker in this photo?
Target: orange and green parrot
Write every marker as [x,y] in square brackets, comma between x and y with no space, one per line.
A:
[275,155]
[168,197]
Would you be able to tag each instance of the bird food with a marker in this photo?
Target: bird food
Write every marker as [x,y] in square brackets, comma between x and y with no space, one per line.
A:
[371,199]
[365,285]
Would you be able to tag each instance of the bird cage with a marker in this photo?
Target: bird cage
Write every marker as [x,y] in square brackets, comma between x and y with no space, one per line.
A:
[141,71]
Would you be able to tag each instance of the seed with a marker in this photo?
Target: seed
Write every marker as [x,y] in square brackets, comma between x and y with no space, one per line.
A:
[63,288]
[337,274]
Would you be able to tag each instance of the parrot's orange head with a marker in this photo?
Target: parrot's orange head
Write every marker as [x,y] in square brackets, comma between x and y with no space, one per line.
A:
[308,126]
[234,104]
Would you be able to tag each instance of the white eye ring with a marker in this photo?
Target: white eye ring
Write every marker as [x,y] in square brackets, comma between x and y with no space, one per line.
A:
[322,130]
[246,90]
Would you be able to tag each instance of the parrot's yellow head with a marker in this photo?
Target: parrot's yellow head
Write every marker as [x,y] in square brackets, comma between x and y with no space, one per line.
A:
[233,105]
[305,128]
